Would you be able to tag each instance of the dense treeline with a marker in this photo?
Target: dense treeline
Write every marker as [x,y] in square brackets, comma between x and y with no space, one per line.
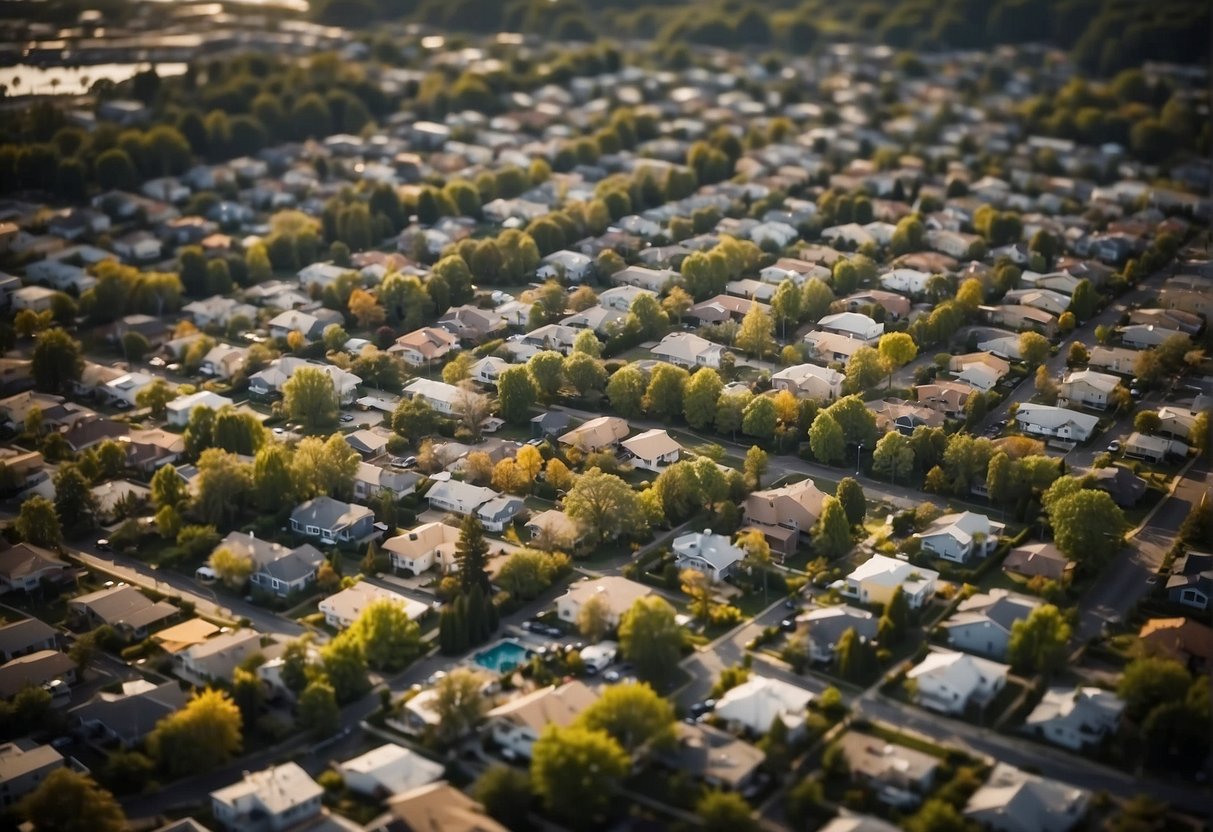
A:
[1104,36]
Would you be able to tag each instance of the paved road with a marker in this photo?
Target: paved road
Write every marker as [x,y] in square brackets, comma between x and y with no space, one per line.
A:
[1131,574]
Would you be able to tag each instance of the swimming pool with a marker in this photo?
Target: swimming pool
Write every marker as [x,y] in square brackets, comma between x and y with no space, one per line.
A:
[502,657]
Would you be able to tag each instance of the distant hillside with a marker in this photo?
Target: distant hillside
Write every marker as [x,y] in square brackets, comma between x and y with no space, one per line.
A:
[1104,35]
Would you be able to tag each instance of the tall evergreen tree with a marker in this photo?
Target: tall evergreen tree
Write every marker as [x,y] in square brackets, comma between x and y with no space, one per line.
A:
[471,553]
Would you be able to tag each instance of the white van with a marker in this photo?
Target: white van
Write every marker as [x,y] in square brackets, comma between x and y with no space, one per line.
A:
[206,575]
[597,657]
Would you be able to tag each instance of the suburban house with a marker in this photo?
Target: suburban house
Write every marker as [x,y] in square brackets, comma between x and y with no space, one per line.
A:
[946,397]
[342,609]
[982,624]
[23,767]
[1087,388]
[756,703]
[35,670]
[419,549]
[949,682]
[980,370]
[439,807]
[830,346]
[905,281]
[459,497]
[517,724]
[372,480]
[689,350]
[488,369]
[29,635]
[1146,336]
[276,569]
[556,528]
[499,512]
[713,757]
[333,521]
[1116,359]
[311,325]
[570,265]
[217,658]
[597,434]
[895,306]
[898,775]
[368,442]
[552,337]
[471,324]
[852,325]
[654,280]
[619,594]
[620,298]
[1043,560]
[875,580]
[809,381]
[1155,449]
[389,770]
[712,554]
[421,346]
[960,537]
[1046,420]
[122,607]
[1016,801]
[1076,718]
[902,416]
[1191,581]
[1177,422]
[272,800]
[785,515]
[273,378]
[179,409]
[652,450]
[723,308]
[823,627]
[440,396]
[1125,487]
[23,568]
[1184,639]
[223,361]
[126,717]
[125,388]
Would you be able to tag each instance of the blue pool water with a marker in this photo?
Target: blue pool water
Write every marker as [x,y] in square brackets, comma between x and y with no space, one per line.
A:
[502,657]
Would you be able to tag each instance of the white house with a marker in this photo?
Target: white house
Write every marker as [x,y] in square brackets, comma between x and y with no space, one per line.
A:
[571,265]
[389,770]
[34,298]
[216,659]
[652,450]
[620,298]
[712,554]
[948,681]
[125,388]
[459,497]
[809,381]
[689,350]
[343,608]
[959,537]
[488,369]
[440,396]
[905,281]
[274,377]
[1046,420]
[875,580]
[756,703]
[852,325]
[419,549]
[517,724]
[1087,388]
[180,408]
[1076,718]
[272,800]
[619,594]
[982,624]
[1015,801]
[1116,359]
[1153,448]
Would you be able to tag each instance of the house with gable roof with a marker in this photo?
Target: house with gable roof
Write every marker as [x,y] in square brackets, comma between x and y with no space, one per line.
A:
[712,554]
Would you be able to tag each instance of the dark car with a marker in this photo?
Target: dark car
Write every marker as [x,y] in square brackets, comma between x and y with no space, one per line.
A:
[347,417]
[103,545]
[704,707]
[790,603]
[788,625]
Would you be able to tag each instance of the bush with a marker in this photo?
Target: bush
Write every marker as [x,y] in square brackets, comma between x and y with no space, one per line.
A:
[725,615]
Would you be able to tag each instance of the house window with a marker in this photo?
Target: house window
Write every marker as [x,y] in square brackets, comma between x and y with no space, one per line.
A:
[313,530]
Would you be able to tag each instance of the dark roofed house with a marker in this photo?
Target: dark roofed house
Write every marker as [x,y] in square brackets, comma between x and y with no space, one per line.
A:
[1038,560]
[26,636]
[124,608]
[549,424]
[85,434]
[35,669]
[1191,581]
[823,628]
[129,716]
[713,756]
[276,568]
[24,567]
[1125,487]
[332,520]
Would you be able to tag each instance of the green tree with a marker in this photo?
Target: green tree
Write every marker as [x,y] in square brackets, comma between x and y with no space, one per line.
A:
[756,335]
[760,418]
[459,703]
[516,394]
[232,567]
[605,504]
[864,369]
[815,300]
[854,504]
[1151,681]
[1038,643]
[56,362]
[855,657]
[168,488]
[594,619]
[390,641]
[317,708]
[650,319]
[832,532]
[634,715]
[857,422]
[203,735]
[651,639]
[1087,524]
[585,373]
[1033,348]
[1083,301]
[547,372]
[310,398]
[574,771]
[345,664]
[721,811]
[663,398]
[528,572]
[155,397]
[756,462]
[505,794]
[893,457]
[272,484]
[296,662]
[224,486]
[699,397]
[625,391]
[897,349]
[472,554]
[826,439]
[67,801]
[414,419]
[38,524]
[937,816]
[324,467]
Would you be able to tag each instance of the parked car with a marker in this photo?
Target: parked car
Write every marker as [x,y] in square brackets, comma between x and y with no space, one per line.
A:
[347,417]
[788,625]
[704,707]
[103,545]
[1114,446]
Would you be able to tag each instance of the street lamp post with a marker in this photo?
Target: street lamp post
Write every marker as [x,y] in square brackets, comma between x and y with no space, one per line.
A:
[858,457]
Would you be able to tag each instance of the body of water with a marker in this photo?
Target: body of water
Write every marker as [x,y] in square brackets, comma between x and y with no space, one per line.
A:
[503,656]
[73,80]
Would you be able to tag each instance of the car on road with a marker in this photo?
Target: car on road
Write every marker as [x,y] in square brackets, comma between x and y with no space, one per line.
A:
[279,431]
[617,673]
[791,603]
[1114,446]
[788,625]
[103,545]
[704,707]
[156,361]
[554,632]
[347,417]
[536,442]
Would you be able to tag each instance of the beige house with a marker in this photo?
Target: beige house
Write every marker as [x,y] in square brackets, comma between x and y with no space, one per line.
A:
[1176,422]
[652,450]
[216,658]
[1024,318]
[424,345]
[597,434]
[809,381]
[421,548]
[23,767]
[900,776]
[1087,388]
[785,514]
[946,397]
[1116,359]
[517,724]
[557,528]
[436,807]
[981,370]
[343,608]
[618,593]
